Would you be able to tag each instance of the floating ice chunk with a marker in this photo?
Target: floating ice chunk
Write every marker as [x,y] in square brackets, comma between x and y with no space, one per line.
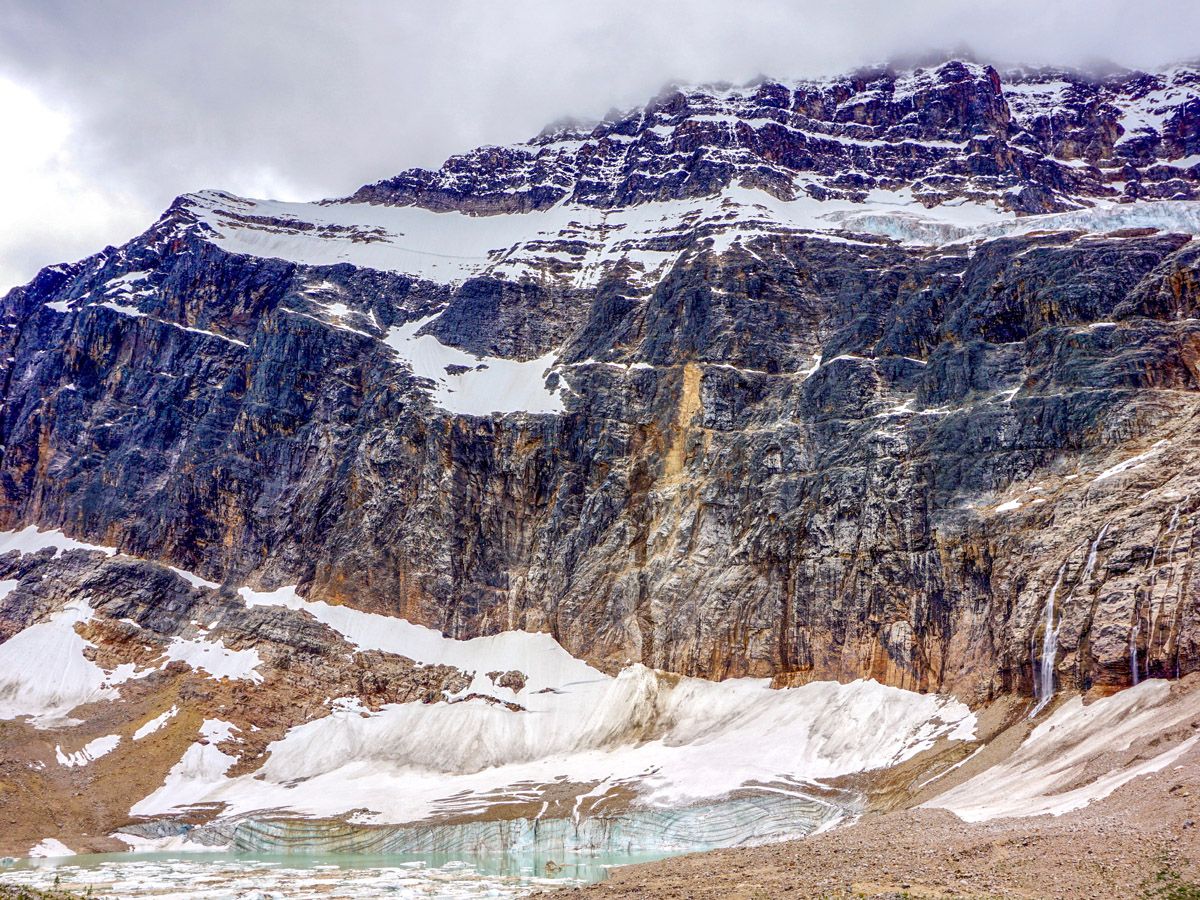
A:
[193,873]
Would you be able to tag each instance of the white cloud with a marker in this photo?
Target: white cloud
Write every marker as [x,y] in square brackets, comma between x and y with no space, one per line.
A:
[51,212]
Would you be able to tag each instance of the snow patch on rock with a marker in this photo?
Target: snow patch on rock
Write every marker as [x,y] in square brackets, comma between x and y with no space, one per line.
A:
[1134,462]
[45,674]
[50,848]
[90,752]
[31,540]
[201,769]
[214,658]
[489,384]
[538,656]
[155,724]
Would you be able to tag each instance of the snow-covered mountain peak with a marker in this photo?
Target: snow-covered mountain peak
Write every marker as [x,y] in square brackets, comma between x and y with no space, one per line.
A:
[1031,142]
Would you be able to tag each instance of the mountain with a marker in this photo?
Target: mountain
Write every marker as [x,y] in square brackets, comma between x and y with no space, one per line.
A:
[1032,142]
[889,376]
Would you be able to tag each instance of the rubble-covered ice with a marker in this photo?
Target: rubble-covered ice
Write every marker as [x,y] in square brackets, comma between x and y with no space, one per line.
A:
[1050,772]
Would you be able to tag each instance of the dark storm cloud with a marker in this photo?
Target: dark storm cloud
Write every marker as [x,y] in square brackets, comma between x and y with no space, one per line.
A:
[308,99]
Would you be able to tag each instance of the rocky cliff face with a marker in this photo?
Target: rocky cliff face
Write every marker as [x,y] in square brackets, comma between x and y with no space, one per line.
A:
[768,381]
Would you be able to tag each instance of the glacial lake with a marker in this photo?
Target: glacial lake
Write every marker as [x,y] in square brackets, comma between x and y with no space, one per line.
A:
[226,876]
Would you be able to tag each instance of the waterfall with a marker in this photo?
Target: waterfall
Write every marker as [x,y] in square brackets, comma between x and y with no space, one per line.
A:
[1152,617]
[1043,685]
[1170,528]
[1091,560]
[1154,614]
[1133,653]
[1151,638]
[1175,515]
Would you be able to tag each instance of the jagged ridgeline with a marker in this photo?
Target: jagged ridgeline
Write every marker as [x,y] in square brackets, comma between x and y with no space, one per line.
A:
[811,381]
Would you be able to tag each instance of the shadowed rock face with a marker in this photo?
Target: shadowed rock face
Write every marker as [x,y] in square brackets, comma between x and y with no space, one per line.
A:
[795,454]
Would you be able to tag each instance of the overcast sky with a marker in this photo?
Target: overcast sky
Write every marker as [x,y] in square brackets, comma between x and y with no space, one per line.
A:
[111,109]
